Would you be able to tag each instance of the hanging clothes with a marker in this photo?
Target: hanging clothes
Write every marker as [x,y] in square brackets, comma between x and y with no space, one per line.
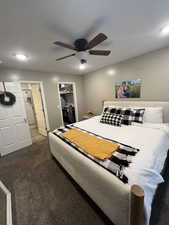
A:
[69,114]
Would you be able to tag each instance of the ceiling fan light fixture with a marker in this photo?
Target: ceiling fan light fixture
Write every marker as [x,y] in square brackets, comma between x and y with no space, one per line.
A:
[82,66]
[83,61]
[82,55]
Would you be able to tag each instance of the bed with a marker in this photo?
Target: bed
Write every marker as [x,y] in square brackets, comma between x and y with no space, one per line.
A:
[124,204]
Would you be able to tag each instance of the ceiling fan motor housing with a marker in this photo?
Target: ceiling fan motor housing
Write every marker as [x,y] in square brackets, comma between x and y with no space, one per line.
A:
[80,44]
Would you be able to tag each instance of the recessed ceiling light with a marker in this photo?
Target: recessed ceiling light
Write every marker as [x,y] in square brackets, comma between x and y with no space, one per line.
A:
[14,77]
[21,57]
[55,79]
[1,62]
[165,30]
[111,72]
[82,66]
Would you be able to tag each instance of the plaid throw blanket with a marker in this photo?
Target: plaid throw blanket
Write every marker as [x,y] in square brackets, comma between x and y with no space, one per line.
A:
[115,164]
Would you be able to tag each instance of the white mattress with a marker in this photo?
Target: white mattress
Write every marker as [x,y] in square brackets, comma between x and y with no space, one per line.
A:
[153,142]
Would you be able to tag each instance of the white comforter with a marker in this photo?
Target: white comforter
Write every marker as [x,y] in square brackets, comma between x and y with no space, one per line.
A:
[153,142]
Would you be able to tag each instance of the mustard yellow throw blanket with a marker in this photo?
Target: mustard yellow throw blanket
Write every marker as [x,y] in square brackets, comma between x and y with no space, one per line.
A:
[98,148]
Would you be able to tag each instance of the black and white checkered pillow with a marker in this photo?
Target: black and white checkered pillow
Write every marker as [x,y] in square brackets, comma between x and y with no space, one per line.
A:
[126,112]
[112,119]
[138,115]
[110,110]
[127,115]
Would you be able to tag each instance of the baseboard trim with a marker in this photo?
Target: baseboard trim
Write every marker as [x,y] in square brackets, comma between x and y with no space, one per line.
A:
[8,205]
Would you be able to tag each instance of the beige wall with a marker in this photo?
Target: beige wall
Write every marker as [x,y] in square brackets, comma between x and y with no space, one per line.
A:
[50,89]
[93,88]
[152,68]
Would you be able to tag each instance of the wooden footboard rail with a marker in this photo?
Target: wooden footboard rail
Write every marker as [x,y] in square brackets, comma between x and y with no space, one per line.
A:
[137,205]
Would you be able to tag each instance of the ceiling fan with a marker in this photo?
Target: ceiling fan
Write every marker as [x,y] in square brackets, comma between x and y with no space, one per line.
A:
[83,47]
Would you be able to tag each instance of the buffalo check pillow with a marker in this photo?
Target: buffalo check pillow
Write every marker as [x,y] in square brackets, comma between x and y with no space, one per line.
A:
[125,112]
[112,119]
[138,115]
[127,115]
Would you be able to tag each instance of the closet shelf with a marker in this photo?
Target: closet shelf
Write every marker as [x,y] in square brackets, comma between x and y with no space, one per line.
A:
[63,93]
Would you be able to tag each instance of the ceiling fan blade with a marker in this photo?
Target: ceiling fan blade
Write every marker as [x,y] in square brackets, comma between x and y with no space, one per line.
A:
[64,45]
[99,52]
[65,57]
[97,40]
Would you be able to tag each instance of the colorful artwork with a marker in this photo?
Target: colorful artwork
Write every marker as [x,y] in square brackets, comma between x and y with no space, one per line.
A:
[128,89]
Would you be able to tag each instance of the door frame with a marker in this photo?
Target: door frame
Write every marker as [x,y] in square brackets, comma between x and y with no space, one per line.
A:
[43,100]
[74,98]
[8,204]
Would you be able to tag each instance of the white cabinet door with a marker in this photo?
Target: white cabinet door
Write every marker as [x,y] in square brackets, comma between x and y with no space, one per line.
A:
[14,129]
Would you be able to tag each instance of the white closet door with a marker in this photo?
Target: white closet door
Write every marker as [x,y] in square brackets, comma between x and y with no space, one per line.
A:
[14,129]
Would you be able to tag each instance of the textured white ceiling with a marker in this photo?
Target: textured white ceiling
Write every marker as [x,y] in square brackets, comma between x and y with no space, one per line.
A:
[31,27]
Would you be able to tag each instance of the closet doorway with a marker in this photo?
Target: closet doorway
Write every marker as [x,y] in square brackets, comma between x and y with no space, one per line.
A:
[68,102]
[34,106]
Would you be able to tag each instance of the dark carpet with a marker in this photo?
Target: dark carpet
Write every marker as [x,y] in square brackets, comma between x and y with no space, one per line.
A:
[43,194]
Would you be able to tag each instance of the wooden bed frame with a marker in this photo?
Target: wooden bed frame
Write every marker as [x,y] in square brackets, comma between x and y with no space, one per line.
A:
[136,195]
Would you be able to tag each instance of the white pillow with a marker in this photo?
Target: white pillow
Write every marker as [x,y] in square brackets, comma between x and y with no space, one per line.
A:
[153,115]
